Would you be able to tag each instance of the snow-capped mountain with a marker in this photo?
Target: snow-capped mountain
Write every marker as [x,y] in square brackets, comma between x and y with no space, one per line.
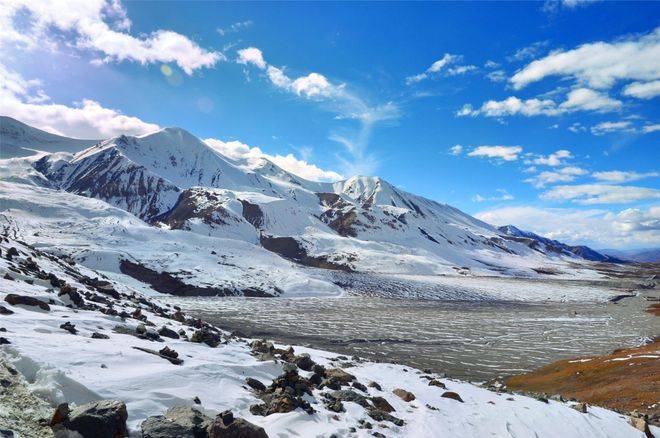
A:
[20,140]
[186,191]
[546,245]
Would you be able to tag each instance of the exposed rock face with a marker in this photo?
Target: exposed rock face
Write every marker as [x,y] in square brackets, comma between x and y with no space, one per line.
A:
[167,283]
[291,249]
[253,214]
[101,419]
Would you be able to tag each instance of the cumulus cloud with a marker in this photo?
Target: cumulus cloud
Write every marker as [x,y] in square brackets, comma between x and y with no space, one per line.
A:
[253,157]
[621,176]
[580,99]
[101,27]
[643,90]
[589,194]
[251,55]
[506,153]
[596,227]
[24,100]
[441,65]
[599,65]
[565,174]
[554,159]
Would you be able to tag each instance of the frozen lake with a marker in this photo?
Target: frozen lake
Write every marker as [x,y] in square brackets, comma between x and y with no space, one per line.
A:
[469,340]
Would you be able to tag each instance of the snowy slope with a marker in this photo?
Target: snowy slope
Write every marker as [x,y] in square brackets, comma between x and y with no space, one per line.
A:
[20,140]
[77,368]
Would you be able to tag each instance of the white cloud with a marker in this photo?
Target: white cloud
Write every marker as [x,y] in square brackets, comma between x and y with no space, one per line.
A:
[503,196]
[565,174]
[595,227]
[607,127]
[497,76]
[581,99]
[440,65]
[585,99]
[251,55]
[253,157]
[528,52]
[506,153]
[235,27]
[577,127]
[589,194]
[101,27]
[643,90]
[456,149]
[599,64]
[25,101]
[620,176]
[651,128]
[554,159]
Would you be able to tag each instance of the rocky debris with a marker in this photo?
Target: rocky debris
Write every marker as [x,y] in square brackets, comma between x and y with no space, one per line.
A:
[25,300]
[255,384]
[439,384]
[168,333]
[101,419]
[379,415]
[580,407]
[5,311]
[404,395]
[226,426]
[348,395]
[452,395]
[73,294]
[207,336]
[173,360]
[168,352]
[382,404]
[11,253]
[359,386]
[285,394]
[197,401]
[262,346]
[140,332]
[179,421]
[340,375]
[71,328]
[4,341]
[304,362]
[97,335]
[640,423]
[8,277]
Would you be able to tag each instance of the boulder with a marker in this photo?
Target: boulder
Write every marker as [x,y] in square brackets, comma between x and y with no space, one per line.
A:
[360,386]
[580,407]
[226,426]
[5,311]
[340,375]
[206,336]
[439,384]
[641,424]
[304,362]
[375,385]
[452,395]
[348,395]
[25,300]
[255,384]
[97,335]
[379,415]
[71,328]
[382,404]
[178,422]
[168,333]
[101,419]
[404,395]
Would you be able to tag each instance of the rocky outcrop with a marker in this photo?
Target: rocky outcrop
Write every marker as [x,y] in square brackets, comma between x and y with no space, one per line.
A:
[291,249]
[101,419]
[24,300]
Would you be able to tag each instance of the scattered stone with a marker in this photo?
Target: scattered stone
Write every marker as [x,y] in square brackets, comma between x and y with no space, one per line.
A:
[173,360]
[340,375]
[262,346]
[168,352]
[255,384]
[226,426]
[179,421]
[141,329]
[404,395]
[382,404]
[580,407]
[15,300]
[11,253]
[4,341]
[5,311]
[197,401]
[373,384]
[541,398]
[101,419]
[168,333]
[379,415]
[360,386]
[640,423]
[206,336]
[97,335]
[8,277]
[348,395]
[437,383]
[71,328]
[452,395]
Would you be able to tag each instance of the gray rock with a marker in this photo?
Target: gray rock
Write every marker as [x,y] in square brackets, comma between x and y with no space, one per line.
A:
[226,426]
[178,422]
[101,419]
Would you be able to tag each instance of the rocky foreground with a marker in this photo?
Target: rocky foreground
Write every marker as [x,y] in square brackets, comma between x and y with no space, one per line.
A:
[83,356]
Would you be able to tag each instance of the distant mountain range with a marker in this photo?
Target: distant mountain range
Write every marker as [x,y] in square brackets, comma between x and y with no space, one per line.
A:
[644,255]
[253,216]
[546,245]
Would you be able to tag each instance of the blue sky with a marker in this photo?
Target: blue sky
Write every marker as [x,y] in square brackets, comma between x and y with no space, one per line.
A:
[544,115]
